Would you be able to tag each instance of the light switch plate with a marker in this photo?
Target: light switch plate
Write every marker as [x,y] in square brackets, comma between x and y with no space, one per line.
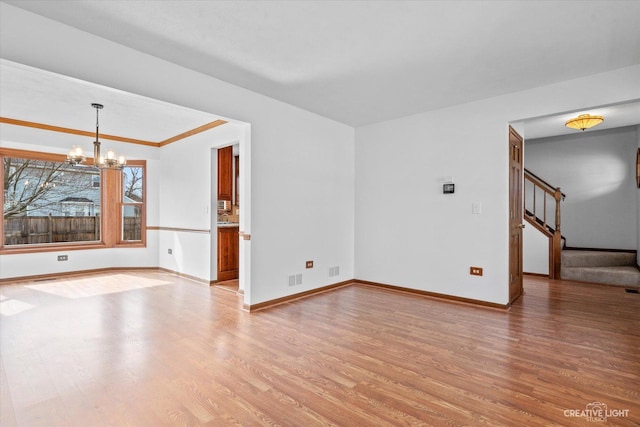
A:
[476,208]
[448,188]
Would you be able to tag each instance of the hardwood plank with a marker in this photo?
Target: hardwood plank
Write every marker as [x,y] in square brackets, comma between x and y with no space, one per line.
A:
[150,348]
[7,415]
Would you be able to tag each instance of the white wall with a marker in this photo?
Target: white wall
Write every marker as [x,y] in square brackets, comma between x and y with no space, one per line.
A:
[535,251]
[408,233]
[596,170]
[638,205]
[301,170]
[187,201]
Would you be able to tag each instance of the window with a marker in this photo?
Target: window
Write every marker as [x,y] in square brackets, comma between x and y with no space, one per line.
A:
[132,203]
[46,203]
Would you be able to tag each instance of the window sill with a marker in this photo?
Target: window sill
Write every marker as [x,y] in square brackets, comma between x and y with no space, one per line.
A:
[14,250]
[131,245]
[50,247]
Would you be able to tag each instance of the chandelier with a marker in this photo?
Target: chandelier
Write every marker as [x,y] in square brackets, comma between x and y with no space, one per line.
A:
[111,161]
[584,121]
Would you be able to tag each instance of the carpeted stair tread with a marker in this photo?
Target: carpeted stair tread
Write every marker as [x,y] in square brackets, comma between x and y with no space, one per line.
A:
[617,275]
[611,268]
[576,258]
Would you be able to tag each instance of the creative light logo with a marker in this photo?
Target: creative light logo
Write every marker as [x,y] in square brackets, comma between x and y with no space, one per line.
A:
[596,412]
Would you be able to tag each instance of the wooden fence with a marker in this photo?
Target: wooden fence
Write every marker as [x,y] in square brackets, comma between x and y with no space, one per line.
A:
[50,229]
[131,228]
[26,230]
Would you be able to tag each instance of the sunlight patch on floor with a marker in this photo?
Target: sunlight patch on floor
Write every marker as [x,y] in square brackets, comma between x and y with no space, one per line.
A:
[96,285]
[10,306]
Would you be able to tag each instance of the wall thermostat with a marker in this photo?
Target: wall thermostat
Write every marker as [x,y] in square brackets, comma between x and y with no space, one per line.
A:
[448,188]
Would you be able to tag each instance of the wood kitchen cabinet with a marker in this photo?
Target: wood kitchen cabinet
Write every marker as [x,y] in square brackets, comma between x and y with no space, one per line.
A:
[236,160]
[225,173]
[228,253]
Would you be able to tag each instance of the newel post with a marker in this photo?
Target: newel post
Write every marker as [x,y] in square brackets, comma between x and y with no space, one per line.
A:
[557,238]
[558,196]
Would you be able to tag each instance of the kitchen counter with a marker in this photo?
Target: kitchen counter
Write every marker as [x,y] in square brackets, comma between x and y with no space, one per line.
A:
[228,224]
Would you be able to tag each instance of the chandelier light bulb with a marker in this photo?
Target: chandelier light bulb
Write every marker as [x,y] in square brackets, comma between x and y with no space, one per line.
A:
[112,161]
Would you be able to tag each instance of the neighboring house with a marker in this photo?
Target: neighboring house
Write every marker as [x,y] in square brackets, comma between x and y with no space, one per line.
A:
[45,188]
[78,206]
[87,203]
[41,188]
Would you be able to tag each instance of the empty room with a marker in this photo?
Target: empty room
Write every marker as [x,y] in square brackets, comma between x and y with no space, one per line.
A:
[301,213]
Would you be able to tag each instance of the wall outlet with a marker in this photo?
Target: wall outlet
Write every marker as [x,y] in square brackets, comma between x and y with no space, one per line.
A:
[169,251]
[475,271]
[334,271]
[309,264]
[63,257]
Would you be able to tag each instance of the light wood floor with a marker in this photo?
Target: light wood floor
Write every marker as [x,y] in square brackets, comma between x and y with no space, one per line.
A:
[152,349]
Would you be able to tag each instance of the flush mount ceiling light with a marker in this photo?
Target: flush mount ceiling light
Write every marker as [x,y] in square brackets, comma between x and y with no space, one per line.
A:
[76,155]
[584,121]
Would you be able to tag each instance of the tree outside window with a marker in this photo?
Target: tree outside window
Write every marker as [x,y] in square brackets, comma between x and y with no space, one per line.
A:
[132,203]
[41,195]
[47,203]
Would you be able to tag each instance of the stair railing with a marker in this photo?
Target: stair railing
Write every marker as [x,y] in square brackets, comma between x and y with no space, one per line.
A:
[542,210]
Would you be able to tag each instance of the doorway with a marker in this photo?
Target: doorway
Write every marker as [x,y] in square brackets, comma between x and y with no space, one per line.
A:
[227,221]
[230,215]
[516,176]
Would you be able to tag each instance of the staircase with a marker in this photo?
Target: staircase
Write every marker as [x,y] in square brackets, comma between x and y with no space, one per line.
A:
[611,268]
[542,210]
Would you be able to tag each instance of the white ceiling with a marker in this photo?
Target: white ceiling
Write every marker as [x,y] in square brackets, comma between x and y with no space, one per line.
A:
[360,62]
[34,95]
